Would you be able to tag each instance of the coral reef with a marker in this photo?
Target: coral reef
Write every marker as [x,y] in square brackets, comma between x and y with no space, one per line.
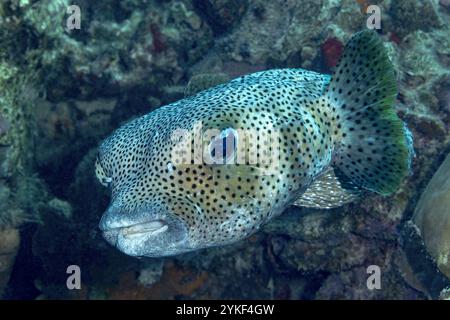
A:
[20,190]
[332,50]
[221,15]
[127,44]
[63,91]
[15,131]
[415,15]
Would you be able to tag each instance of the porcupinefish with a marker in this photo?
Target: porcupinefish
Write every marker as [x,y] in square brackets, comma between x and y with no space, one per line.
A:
[332,138]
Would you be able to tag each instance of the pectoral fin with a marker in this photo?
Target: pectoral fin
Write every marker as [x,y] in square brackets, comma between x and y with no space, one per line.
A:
[329,191]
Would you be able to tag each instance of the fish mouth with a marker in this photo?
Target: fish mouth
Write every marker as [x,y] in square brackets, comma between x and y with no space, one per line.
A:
[153,227]
[148,229]
[145,232]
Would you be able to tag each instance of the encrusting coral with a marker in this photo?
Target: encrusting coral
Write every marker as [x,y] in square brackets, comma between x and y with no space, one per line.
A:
[118,66]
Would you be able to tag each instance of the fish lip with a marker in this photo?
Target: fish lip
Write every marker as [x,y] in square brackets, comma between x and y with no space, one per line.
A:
[145,231]
[151,227]
[148,228]
[116,218]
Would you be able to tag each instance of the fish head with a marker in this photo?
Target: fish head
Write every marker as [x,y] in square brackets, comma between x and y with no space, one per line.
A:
[182,183]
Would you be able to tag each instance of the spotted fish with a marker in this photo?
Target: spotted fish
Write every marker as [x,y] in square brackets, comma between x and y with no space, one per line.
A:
[333,138]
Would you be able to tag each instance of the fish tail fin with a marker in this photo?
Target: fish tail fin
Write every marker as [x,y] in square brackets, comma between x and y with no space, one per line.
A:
[373,147]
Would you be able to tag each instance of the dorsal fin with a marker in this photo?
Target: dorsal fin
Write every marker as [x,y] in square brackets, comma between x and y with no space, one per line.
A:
[330,190]
[203,81]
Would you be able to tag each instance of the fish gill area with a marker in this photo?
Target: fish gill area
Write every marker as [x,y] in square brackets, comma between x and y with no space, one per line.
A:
[63,91]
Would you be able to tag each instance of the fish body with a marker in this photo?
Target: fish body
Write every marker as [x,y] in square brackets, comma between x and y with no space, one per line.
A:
[212,168]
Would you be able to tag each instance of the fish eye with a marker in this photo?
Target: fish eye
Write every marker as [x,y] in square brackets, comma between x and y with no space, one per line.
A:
[222,148]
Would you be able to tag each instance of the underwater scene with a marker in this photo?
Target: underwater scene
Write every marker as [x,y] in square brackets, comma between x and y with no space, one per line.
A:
[224,149]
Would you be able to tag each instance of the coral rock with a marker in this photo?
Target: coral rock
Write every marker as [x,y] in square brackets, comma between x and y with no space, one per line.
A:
[432,216]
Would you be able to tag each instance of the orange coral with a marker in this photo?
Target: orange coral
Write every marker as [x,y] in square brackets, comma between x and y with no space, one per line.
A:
[175,281]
